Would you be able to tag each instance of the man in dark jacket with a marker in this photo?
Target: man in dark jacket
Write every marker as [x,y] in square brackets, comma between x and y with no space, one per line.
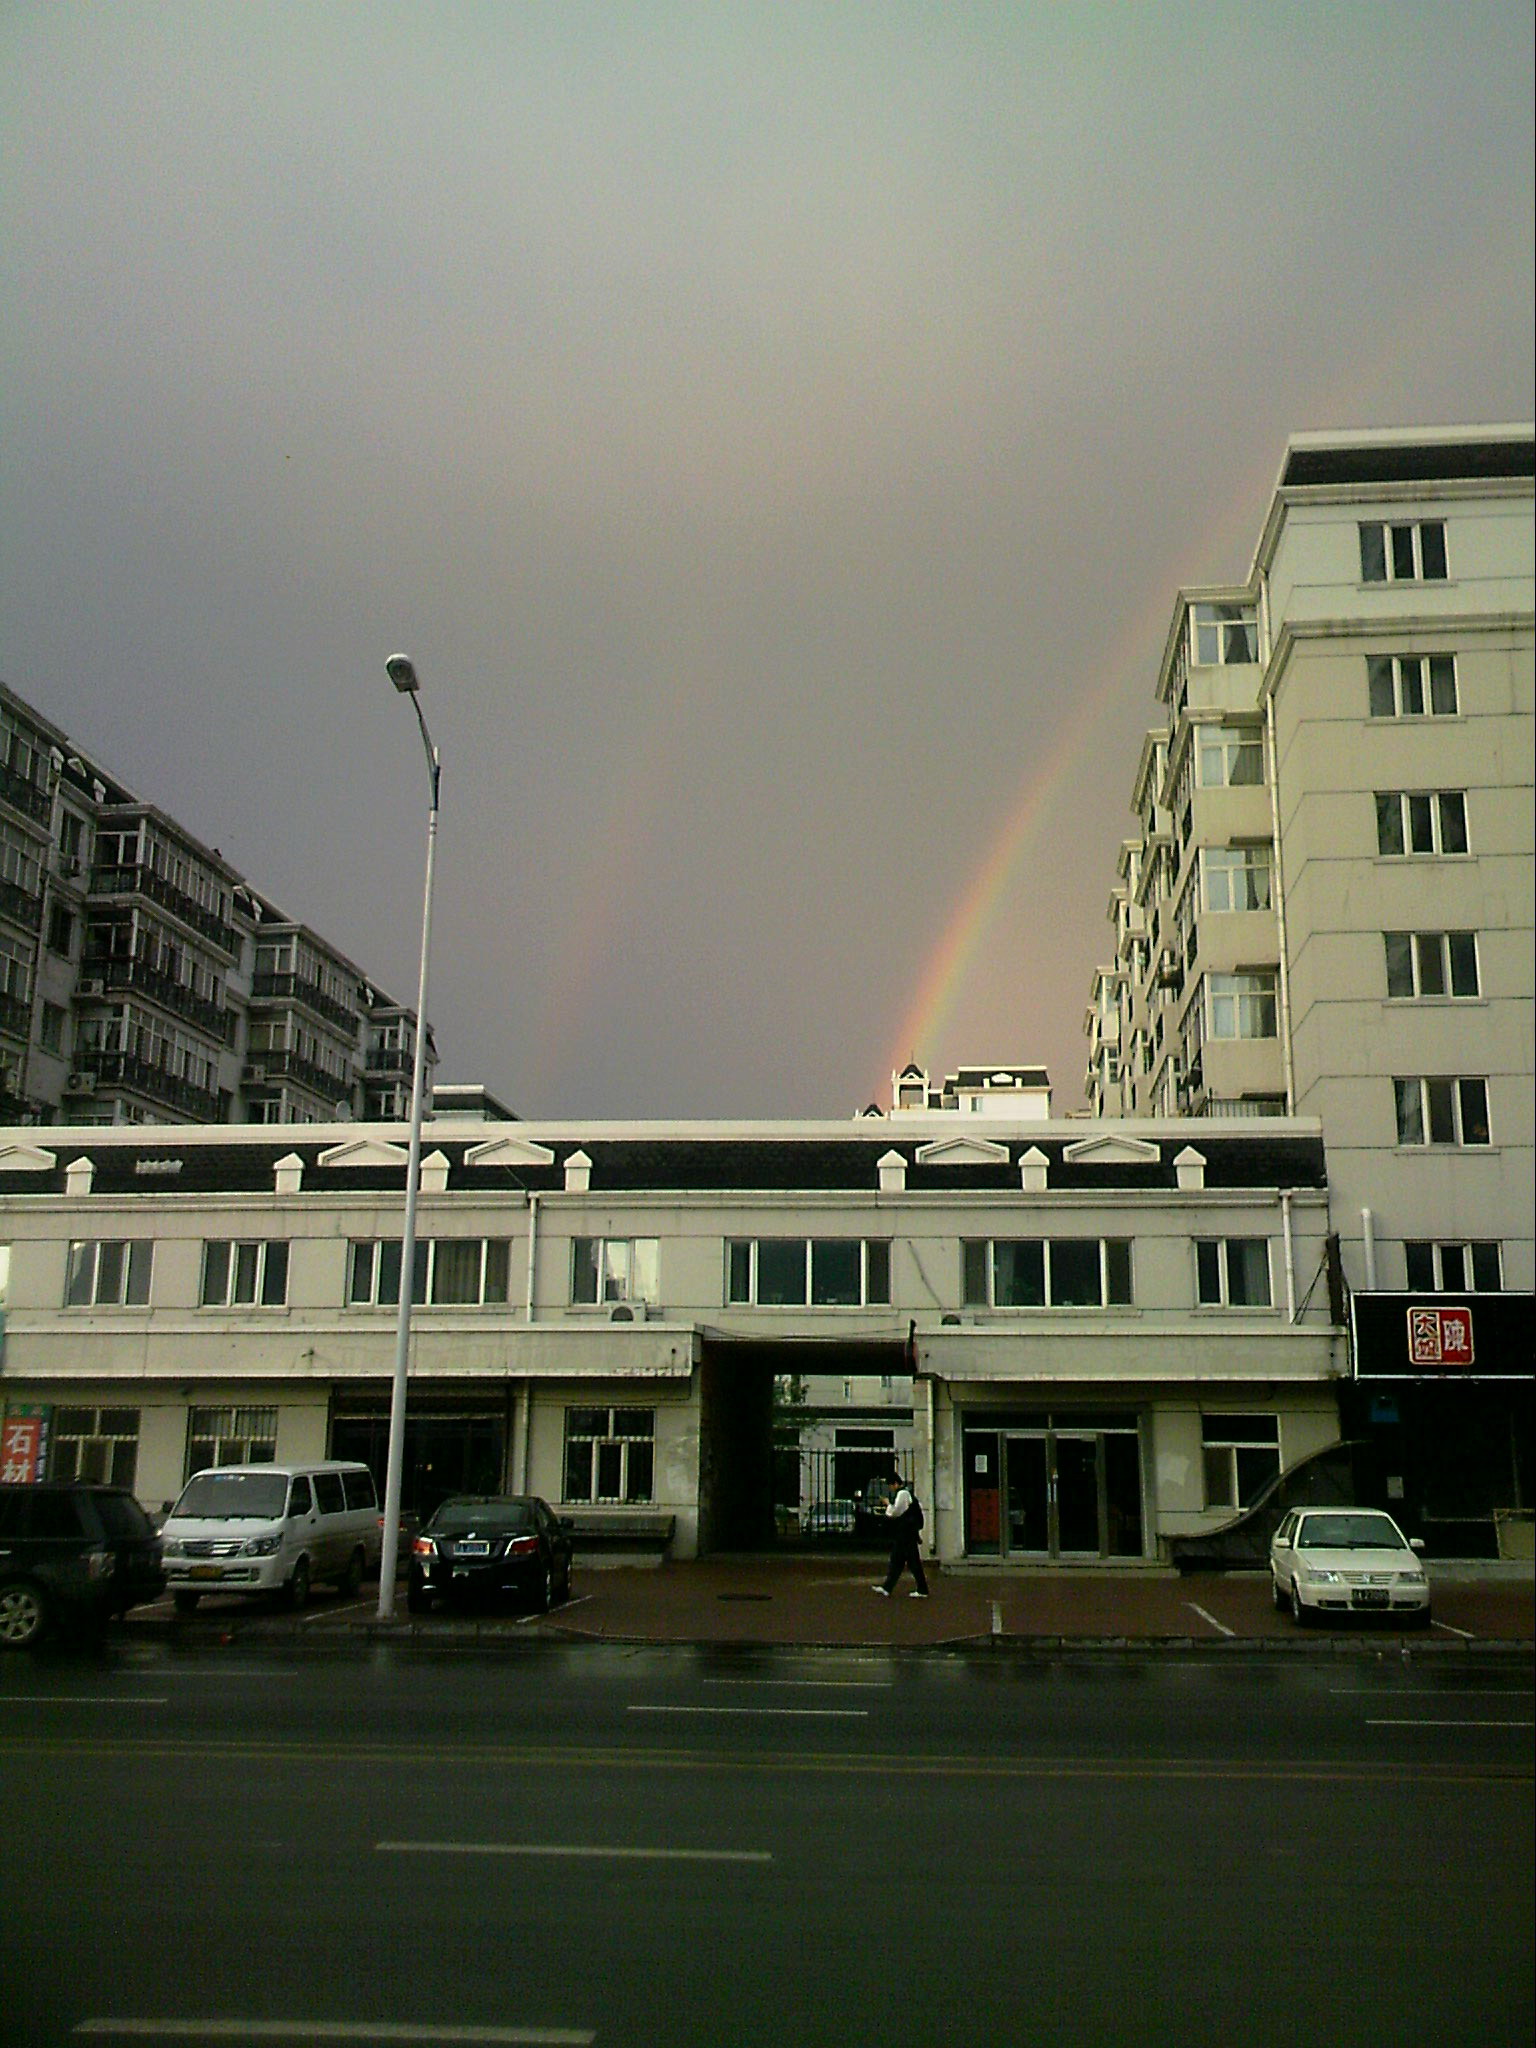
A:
[906,1519]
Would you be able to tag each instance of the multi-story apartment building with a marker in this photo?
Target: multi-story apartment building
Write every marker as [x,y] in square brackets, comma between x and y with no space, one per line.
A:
[1327,910]
[143,980]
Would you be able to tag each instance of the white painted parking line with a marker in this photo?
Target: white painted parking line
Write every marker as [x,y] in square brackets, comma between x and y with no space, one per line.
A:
[597,1851]
[1465,1633]
[797,1713]
[332,2030]
[1433,1692]
[84,1699]
[1221,1625]
[813,1684]
[1416,1723]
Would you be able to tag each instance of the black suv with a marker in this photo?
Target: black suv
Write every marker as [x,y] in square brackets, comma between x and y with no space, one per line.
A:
[75,1554]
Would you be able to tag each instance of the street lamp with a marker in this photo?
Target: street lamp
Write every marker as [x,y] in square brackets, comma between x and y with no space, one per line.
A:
[402,673]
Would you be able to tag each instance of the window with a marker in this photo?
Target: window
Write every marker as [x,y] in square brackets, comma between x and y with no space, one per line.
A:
[1412,685]
[1241,1454]
[98,1445]
[1226,634]
[243,1273]
[1437,1109]
[1243,1005]
[827,1272]
[1232,1272]
[109,1273]
[1425,964]
[50,1031]
[1411,553]
[61,930]
[1229,758]
[1421,821]
[1468,1268]
[610,1454]
[230,1436]
[1235,877]
[450,1271]
[605,1269]
[1046,1272]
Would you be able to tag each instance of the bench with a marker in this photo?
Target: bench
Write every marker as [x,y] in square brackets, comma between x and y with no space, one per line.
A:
[626,1529]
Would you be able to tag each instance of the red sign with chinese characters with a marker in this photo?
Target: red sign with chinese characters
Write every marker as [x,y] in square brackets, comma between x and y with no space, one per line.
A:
[1440,1336]
[23,1443]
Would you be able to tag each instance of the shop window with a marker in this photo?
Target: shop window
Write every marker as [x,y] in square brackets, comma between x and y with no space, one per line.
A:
[97,1445]
[1241,1455]
[610,1454]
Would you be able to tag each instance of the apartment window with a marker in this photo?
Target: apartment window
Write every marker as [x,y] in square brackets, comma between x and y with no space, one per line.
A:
[615,1269]
[15,970]
[449,1271]
[827,1272]
[1046,1272]
[1232,1272]
[1235,877]
[1421,821]
[1457,1268]
[1226,634]
[1413,552]
[1241,1454]
[109,1273]
[50,1029]
[230,1436]
[1427,964]
[97,1445]
[610,1454]
[61,930]
[1229,758]
[1243,1005]
[240,1273]
[1412,685]
[1440,1109]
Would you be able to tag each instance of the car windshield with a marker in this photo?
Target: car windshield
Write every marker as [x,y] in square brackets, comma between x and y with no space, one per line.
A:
[481,1518]
[1349,1532]
[234,1497]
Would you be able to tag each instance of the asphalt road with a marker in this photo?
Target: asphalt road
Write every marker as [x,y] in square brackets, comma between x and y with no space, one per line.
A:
[578,1844]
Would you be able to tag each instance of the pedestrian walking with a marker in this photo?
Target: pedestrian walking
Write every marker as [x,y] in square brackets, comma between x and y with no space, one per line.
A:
[905,1514]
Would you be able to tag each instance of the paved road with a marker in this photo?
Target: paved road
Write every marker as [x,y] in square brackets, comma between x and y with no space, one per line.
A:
[582,1844]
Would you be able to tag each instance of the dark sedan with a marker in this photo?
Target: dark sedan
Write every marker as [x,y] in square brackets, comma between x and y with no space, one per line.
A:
[479,1548]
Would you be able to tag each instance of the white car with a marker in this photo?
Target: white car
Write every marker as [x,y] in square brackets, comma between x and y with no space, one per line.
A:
[1347,1561]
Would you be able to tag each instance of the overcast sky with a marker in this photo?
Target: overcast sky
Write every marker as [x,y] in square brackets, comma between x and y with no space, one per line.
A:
[777,431]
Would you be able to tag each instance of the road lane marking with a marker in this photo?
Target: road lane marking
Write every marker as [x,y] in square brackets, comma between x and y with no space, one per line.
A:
[84,1699]
[373,1758]
[1433,1692]
[1210,1618]
[1465,1633]
[1417,1723]
[783,1713]
[333,2030]
[599,1852]
[813,1684]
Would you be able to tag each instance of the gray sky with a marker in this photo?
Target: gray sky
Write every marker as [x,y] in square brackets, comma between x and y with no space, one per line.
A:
[777,431]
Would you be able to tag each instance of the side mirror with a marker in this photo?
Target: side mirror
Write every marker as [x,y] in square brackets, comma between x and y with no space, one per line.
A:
[1415,1542]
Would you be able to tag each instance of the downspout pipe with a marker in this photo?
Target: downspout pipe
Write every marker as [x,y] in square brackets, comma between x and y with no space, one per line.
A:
[533,1253]
[1368,1232]
[1290,1254]
[1279,874]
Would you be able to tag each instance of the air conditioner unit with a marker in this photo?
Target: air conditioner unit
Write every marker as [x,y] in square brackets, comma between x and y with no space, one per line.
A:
[81,1084]
[94,986]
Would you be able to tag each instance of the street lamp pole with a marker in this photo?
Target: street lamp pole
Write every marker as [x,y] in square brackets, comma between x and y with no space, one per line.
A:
[402,673]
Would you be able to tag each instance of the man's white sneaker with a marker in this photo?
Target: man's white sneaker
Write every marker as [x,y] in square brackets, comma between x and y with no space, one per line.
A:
[883,1591]
[916,1595]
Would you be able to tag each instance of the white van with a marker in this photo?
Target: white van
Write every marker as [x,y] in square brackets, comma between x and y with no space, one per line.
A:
[271,1529]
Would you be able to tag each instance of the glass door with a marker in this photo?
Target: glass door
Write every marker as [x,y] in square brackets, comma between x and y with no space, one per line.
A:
[1029,1494]
[1076,1495]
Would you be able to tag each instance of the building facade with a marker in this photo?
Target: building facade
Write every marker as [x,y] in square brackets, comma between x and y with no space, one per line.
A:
[1105,1334]
[143,980]
[1326,910]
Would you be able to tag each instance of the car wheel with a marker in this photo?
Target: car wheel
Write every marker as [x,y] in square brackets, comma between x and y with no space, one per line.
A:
[1275,1594]
[297,1589]
[565,1583]
[186,1603]
[23,1615]
[1303,1614]
[546,1598]
[351,1580]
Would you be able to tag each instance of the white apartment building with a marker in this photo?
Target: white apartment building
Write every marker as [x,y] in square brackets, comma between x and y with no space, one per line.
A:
[1327,911]
[143,979]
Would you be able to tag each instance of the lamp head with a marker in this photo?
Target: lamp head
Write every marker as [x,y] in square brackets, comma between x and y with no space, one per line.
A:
[402,673]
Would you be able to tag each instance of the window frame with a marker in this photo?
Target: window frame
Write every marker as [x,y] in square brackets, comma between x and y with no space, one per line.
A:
[1416,949]
[119,1447]
[979,1260]
[611,1286]
[134,1264]
[1214,1257]
[1486,1254]
[1418,1107]
[266,1260]
[628,1447]
[743,1270]
[1243,860]
[1253,995]
[1224,1439]
[254,1443]
[384,1253]
[1387,532]
[1402,802]
[1393,680]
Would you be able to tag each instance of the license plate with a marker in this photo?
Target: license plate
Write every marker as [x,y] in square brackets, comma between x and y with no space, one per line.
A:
[1371,1596]
[472,1550]
[205,1571]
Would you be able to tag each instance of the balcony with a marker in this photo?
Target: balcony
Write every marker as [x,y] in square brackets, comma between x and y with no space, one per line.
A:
[122,975]
[387,1060]
[142,881]
[126,1071]
[21,906]
[265,1069]
[293,988]
[15,1016]
[24,796]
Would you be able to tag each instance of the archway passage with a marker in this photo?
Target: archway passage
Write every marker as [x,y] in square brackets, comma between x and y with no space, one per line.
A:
[797,1440]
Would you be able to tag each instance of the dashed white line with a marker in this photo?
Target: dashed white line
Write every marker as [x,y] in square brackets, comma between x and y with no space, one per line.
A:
[1221,1625]
[84,1699]
[597,1851]
[332,2030]
[795,1713]
[1416,1723]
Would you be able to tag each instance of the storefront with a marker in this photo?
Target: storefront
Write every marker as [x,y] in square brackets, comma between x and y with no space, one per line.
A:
[1053,1482]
